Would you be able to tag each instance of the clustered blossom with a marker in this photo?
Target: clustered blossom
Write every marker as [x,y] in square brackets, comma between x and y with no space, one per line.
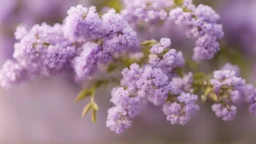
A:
[88,41]
[84,42]
[229,91]
[164,57]
[105,37]
[127,100]
[181,111]
[12,73]
[153,83]
[235,68]
[42,50]
[250,97]
[202,23]
[146,11]
[179,85]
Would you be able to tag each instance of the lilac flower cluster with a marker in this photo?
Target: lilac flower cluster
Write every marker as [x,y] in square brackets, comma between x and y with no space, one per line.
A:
[231,67]
[43,50]
[104,37]
[181,111]
[87,41]
[249,92]
[12,74]
[153,83]
[202,24]
[162,56]
[142,12]
[127,100]
[27,12]
[229,91]
[84,42]
[179,85]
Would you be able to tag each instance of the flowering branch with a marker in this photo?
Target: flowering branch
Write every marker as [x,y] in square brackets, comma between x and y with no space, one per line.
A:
[89,43]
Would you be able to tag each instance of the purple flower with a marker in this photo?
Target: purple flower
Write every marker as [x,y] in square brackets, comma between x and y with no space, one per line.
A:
[12,74]
[252,109]
[117,120]
[162,56]
[88,61]
[153,84]
[181,111]
[179,85]
[20,32]
[226,78]
[57,58]
[131,76]
[229,90]
[206,47]
[129,102]
[146,11]
[227,113]
[229,66]
[43,50]
[84,23]
[202,24]
[250,94]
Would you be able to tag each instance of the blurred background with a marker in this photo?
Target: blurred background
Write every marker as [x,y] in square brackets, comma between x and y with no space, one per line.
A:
[43,111]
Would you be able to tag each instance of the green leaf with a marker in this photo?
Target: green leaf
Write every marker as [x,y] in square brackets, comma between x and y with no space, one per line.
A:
[111,67]
[179,72]
[83,94]
[115,4]
[99,83]
[204,98]
[94,115]
[86,109]
[178,2]
[214,97]
[192,65]
[149,42]
[199,75]
[95,106]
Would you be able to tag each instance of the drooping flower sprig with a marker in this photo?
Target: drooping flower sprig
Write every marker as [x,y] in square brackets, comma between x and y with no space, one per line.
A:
[90,44]
[201,21]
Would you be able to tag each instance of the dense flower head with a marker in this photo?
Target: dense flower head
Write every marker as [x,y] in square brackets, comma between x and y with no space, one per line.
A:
[235,68]
[131,76]
[153,84]
[117,120]
[20,32]
[206,47]
[146,11]
[228,78]
[179,85]
[227,113]
[105,37]
[43,49]
[164,57]
[249,93]
[12,73]
[206,13]
[202,24]
[84,23]
[181,111]
[229,89]
[125,40]
[87,62]
[129,102]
